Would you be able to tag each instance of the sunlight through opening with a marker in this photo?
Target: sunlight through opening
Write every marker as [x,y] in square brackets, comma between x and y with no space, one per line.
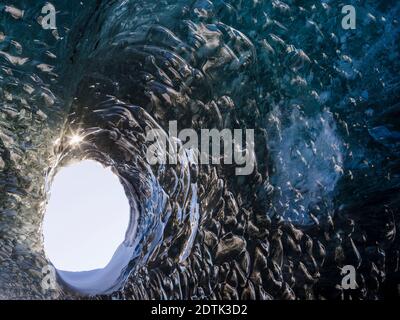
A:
[86,217]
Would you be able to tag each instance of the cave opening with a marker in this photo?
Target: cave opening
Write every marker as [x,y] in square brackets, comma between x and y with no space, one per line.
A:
[85,225]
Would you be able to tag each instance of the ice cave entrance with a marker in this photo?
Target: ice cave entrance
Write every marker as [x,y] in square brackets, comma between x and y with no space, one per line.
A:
[85,223]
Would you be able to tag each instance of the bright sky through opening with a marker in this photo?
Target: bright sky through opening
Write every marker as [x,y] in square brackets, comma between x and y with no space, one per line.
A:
[86,217]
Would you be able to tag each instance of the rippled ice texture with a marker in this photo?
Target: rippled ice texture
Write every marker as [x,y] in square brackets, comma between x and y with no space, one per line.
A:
[324,103]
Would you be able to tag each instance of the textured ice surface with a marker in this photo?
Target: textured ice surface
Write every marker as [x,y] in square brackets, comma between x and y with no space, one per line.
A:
[324,102]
